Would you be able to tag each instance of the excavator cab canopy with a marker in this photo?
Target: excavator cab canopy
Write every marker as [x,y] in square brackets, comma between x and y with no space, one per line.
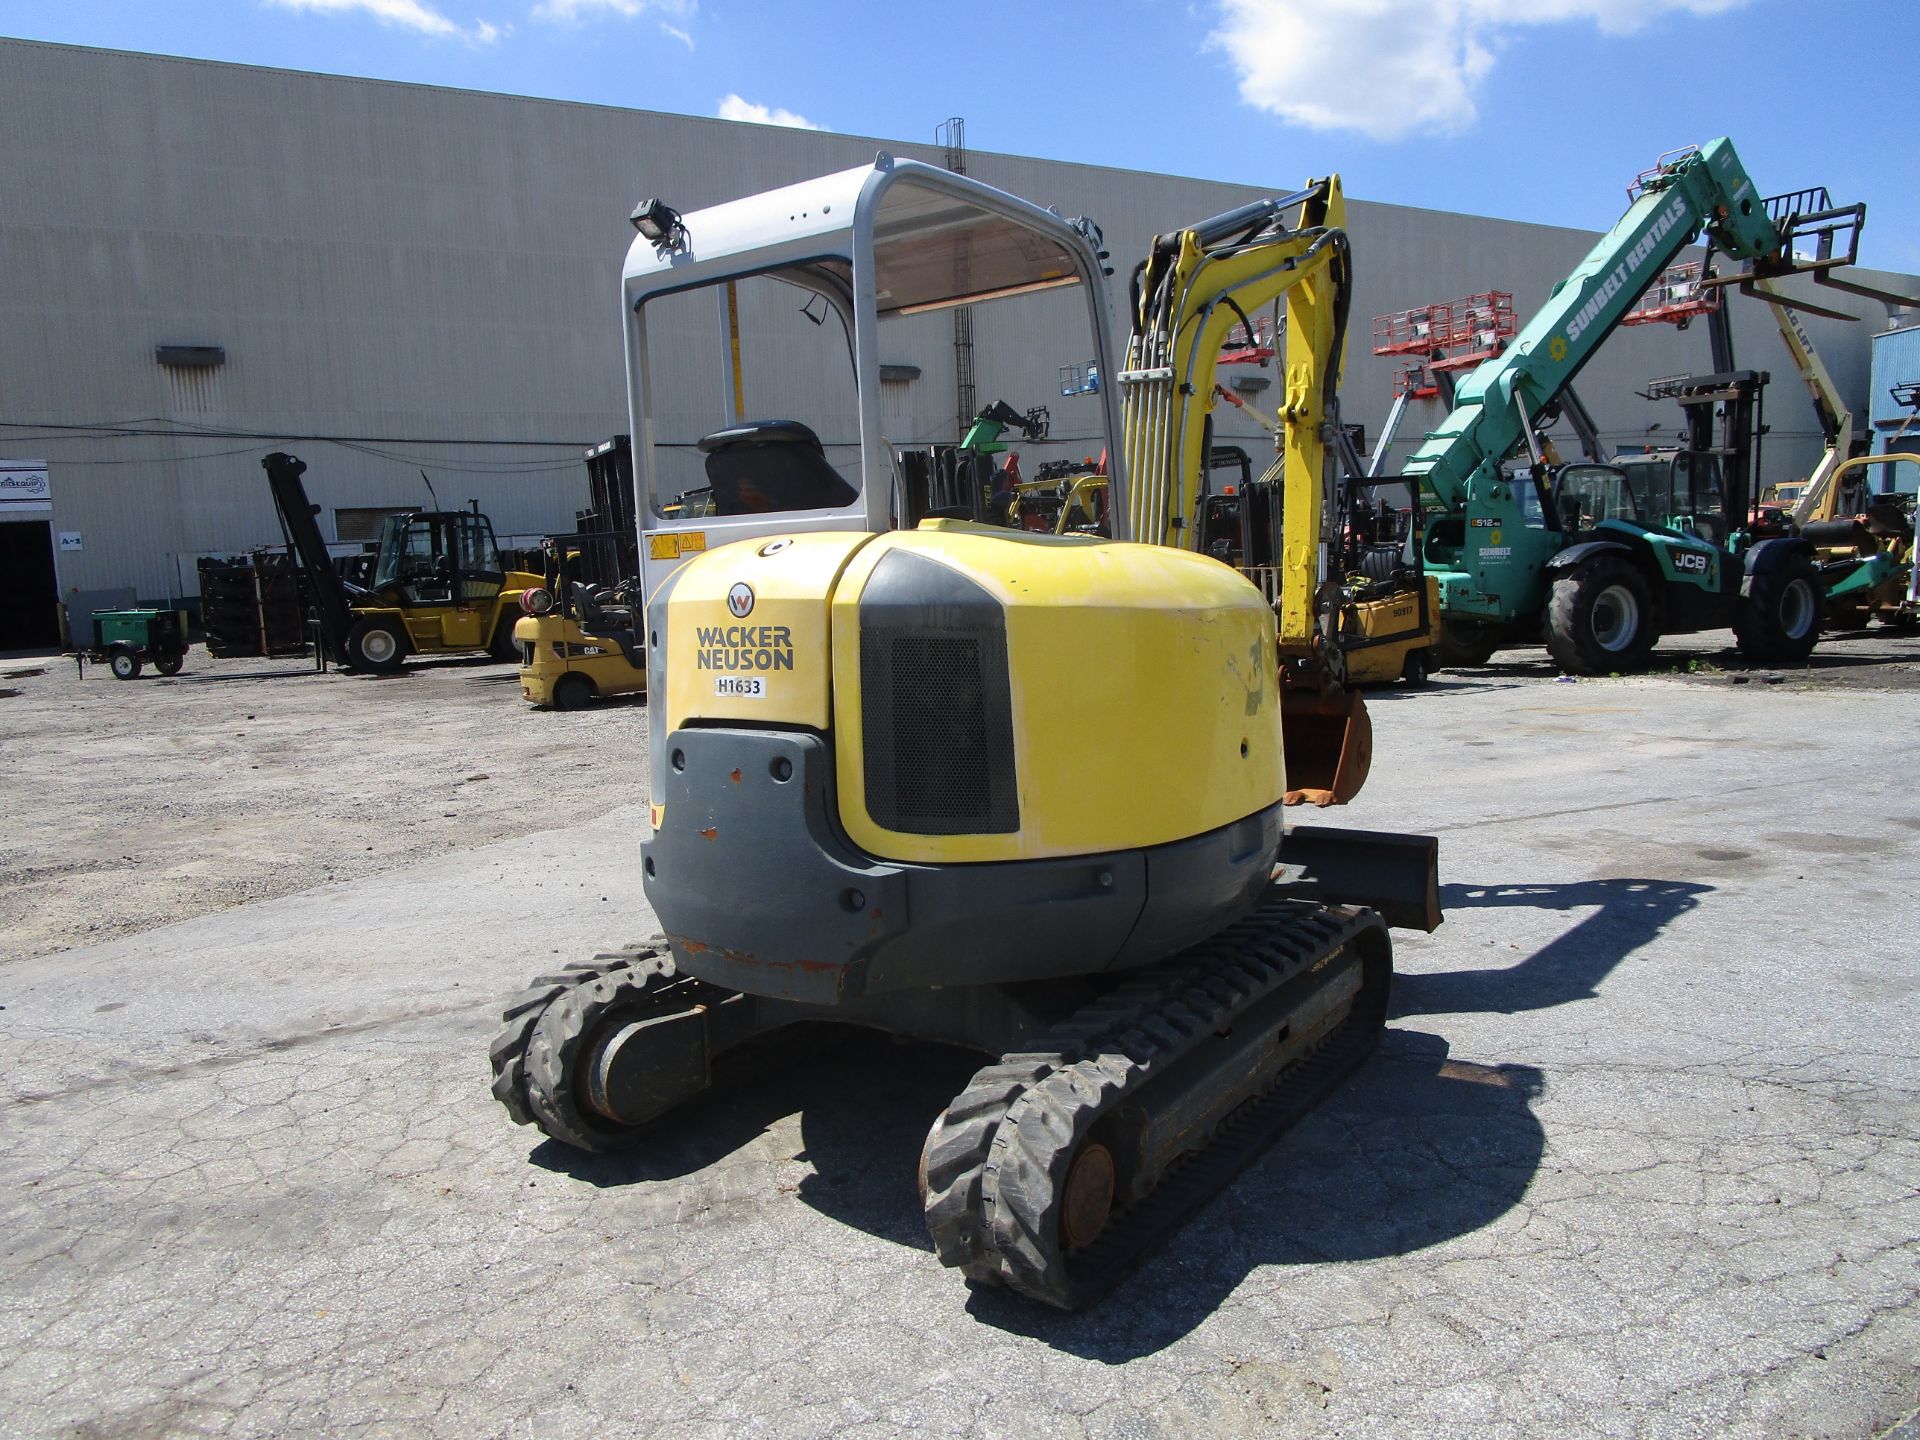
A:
[813,291]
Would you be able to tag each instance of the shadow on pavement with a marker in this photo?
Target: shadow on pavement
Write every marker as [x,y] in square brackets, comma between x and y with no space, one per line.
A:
[1447,682]
[866,1102]
[1412,1150]
[1627,914]
[1509,669]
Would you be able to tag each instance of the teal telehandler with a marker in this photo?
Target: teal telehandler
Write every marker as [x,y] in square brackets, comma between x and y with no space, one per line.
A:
[1579,556]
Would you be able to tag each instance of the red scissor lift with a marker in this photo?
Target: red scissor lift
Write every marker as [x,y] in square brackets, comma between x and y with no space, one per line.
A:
[1675,298]
[1450,335]
[1249,345]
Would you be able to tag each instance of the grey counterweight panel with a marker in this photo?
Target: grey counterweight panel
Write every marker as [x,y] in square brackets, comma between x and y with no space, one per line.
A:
[759,890]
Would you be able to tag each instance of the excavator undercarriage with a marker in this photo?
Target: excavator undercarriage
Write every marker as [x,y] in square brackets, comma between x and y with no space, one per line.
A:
[1111,1108]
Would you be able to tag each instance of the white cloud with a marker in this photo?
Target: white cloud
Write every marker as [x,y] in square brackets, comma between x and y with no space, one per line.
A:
[1387,68]
[630,9]
[674,32]
[734,108]
[408,14]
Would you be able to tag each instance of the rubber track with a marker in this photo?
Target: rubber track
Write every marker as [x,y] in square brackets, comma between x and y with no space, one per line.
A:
[544,1025]
[995,1162]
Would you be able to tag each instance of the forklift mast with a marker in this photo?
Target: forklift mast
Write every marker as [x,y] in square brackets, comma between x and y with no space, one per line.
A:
[1722,417]
[310,550]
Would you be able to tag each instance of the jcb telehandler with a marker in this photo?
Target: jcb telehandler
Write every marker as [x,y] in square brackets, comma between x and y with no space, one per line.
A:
[1575,558]
[1015,791]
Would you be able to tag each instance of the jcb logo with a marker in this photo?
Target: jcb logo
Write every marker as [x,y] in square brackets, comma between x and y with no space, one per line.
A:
[1690,562]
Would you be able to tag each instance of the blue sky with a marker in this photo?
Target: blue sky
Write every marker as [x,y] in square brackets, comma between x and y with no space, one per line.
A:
[1528,109]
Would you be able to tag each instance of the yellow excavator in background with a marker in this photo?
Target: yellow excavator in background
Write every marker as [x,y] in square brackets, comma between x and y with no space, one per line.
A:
[1286,531]
[969,783]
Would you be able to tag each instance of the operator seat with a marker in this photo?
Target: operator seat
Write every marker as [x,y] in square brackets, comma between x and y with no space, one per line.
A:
[770,465]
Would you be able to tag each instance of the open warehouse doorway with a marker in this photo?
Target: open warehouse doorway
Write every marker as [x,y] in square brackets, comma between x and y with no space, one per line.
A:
[29,591]
[29,586]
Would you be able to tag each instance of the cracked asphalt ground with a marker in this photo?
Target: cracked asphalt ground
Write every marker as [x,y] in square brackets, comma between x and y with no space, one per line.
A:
[1640,1154]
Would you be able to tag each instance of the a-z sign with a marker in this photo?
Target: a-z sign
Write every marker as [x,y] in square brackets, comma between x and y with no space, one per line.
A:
[24,490]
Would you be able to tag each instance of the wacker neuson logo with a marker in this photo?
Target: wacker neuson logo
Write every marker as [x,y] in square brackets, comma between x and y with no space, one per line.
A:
[745,647]
[1671,216]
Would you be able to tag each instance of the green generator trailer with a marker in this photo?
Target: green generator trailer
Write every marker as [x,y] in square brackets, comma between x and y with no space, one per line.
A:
[127,639]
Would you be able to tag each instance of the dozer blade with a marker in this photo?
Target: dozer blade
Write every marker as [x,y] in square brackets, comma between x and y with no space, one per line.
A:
[1396,875]
[1328,741]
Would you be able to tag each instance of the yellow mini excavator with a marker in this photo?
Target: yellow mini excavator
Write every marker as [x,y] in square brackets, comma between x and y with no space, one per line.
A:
[1020,792]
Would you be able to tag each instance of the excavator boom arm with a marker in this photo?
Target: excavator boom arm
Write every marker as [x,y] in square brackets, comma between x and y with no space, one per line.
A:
[1194,291]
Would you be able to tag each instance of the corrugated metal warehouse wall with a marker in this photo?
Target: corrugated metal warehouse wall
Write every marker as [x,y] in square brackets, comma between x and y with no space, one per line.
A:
[1896,362]
[403,276]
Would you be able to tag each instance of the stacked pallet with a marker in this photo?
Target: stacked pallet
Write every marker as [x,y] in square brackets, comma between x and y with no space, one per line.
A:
[251,605]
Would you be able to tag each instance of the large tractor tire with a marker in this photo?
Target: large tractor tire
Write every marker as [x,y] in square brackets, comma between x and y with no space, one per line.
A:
[376,645]
[1600,618]
[1779,617]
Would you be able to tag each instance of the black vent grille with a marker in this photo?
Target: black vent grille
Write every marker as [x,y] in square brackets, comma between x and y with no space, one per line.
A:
[936,712]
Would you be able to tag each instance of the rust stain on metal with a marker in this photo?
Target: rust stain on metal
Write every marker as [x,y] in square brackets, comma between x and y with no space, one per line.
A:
[747,957]
[805,967]
[734,775]
[712,832]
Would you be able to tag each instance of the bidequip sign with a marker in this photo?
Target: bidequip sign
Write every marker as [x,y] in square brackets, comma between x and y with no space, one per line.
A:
[24,490]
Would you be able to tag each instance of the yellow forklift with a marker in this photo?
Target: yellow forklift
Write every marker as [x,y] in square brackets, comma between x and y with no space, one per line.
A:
[437,586]
[578,642]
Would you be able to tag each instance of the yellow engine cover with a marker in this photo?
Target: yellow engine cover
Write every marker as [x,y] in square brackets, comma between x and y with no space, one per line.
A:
[1141,684]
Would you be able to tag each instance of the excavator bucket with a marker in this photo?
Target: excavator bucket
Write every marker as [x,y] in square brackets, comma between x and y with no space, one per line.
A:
[1328,741]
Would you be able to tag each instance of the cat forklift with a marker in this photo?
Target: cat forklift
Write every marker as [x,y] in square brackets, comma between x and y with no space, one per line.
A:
[437,584]
[578,642]
[971,783]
